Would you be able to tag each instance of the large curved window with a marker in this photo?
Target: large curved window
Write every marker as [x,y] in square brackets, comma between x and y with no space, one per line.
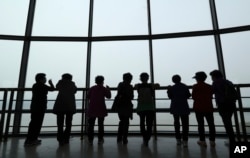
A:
[110,37]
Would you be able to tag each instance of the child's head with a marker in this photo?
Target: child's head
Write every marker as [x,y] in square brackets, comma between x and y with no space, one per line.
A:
[67,76]
[41,77]
[127,77]
[216,74]
[99,80]
[176,79]
[144,77]
[200,76]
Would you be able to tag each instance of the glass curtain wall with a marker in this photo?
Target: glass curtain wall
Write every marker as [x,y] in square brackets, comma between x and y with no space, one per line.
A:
[115,35]
[61,18]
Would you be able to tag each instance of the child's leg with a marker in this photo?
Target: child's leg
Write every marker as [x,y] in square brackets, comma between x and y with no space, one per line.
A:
[142,123]
[100,128]
[149,121]
[185,126]
[211,126]
[91,124]
[177,127]
[201,128]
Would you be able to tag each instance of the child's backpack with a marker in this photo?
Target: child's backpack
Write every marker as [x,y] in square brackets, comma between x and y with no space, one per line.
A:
[230,92]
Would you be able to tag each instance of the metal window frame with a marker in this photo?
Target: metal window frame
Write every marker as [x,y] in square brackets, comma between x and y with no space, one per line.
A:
[27,38]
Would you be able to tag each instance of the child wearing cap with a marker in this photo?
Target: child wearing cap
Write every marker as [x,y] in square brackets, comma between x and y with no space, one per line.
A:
[203,107]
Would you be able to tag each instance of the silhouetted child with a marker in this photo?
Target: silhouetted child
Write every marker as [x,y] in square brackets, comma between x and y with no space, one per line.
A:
[225,97]
[178,94]
[38,108]
[65,107]
[146,106]
[202,95]
[125,94]
[97,108]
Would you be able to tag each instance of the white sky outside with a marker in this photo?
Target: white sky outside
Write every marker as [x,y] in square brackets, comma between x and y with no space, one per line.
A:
[182,56]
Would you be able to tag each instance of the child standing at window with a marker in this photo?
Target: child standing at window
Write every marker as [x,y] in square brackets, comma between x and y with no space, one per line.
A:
[38,107]
[178,94]
[146,106]
[97,108]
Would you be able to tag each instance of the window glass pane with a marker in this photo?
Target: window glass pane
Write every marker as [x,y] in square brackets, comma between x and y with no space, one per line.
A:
[236,50]
[183,56]
[13,13]
[120,17]
[61,18]
[10,60]
[180,16]
[233,13]
[113,59]
[55,59]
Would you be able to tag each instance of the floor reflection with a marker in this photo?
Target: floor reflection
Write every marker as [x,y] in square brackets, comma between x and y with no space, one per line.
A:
[161,148]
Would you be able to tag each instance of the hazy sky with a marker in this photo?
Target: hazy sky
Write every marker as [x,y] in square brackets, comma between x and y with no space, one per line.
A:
[184,56]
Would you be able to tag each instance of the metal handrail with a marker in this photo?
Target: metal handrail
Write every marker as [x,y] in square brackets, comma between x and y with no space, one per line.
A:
[6,114]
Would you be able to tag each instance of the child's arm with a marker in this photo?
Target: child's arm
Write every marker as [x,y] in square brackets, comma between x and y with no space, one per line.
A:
[156,85]
[108,92]
[52,87]
[169,92]
[136,86]
[188,93]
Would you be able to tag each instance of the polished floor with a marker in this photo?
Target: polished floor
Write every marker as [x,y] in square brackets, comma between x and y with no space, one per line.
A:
[163,147]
